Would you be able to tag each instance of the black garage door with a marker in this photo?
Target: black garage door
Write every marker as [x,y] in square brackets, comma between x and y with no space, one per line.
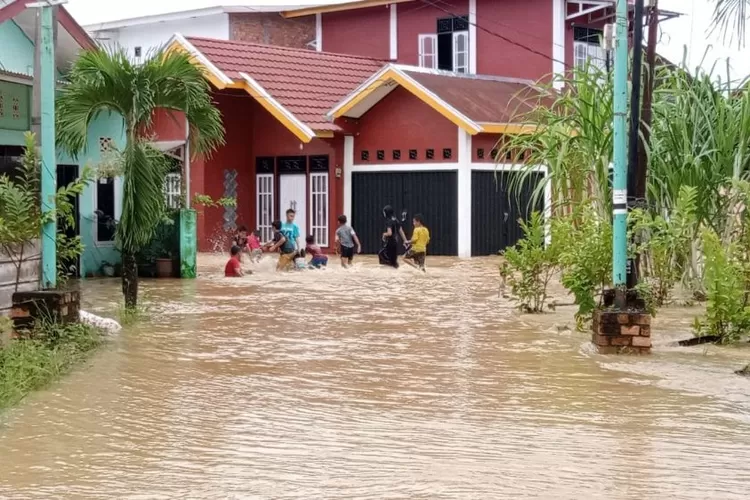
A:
[495,211]
[432,194]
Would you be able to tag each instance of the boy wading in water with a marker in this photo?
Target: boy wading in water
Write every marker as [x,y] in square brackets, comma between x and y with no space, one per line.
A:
[388,255]
[285,247]
[233,269]
[291,230]
[346,238]
[419,240]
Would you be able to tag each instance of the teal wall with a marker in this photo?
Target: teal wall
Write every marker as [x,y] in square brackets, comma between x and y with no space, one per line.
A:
[16,50]
[105,125]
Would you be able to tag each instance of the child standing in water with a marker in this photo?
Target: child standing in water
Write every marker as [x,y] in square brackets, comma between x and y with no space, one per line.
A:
[284,246]
[253,243]
[313,250]
[388,255]
[419,240]
[346,238]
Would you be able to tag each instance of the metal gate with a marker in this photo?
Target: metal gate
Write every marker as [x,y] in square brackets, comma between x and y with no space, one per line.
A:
[496,209]
[432,194]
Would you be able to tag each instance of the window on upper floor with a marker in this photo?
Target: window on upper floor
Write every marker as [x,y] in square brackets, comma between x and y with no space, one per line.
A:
[428,51]
[452,44]
[587,49]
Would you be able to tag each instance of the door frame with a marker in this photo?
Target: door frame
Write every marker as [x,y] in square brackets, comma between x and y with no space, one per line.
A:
[76,208]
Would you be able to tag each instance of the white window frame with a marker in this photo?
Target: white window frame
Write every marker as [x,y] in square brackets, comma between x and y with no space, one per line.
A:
[173,190]
[319,207]
[424,54]
[465,67]
[264,201]
[583,52]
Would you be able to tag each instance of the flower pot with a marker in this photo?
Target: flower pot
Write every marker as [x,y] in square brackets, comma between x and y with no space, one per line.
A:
[108,271]
[164,268]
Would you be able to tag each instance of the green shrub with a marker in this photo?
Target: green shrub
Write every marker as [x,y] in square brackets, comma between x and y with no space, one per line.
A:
[530,265]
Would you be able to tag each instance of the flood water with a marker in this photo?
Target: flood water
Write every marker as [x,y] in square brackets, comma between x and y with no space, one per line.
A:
[375,384]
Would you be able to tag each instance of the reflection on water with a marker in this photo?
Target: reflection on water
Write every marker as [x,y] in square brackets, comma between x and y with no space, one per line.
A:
[372,383]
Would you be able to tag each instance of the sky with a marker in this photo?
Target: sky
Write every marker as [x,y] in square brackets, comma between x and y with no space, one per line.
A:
[691,30]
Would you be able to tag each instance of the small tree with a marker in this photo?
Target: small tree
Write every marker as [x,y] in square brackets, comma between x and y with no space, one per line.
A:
[530,265]
[108,81]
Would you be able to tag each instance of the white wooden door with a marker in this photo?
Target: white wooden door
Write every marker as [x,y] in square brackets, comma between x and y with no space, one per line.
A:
[293,194]
[264,204]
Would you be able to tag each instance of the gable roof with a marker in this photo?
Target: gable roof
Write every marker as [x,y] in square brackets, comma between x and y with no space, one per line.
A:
[18,11]
[296,86]
[473,102]
[337,7]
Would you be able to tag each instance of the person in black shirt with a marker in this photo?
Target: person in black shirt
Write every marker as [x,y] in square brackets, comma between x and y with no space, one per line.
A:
[388,255]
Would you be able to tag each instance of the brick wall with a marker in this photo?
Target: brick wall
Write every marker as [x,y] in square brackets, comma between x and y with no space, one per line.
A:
[272,29]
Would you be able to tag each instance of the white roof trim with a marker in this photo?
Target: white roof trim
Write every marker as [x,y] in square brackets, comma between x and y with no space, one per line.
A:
[468,76]
[184,14]
[276,104]
[203,59]
[399,69]
[165,146]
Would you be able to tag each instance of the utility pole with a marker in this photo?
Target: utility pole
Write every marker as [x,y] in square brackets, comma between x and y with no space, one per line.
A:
[635,127]
[44,87]
[648,97]
[620,192]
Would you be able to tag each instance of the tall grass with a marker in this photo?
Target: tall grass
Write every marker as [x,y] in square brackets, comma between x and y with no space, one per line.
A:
[48,353]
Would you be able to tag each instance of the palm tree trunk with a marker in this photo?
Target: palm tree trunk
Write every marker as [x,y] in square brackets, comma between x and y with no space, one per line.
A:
[130,280]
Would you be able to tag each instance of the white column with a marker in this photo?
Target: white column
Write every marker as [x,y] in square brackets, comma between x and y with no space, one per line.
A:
[186,163]
[464,193]
[394,32]
[547,206]
[473,37]
[348,164]
[558,38]
[319,32]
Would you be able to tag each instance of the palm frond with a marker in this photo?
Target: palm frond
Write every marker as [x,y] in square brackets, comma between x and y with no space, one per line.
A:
[730,20]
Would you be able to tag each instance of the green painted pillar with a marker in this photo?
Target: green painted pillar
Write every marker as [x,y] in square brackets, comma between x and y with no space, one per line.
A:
[188,243]
[49,168]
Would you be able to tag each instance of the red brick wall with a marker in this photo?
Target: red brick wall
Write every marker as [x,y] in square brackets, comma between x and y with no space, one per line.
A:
[272,29]
[401,121]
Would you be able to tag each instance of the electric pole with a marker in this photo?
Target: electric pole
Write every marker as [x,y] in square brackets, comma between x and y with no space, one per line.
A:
[620,192]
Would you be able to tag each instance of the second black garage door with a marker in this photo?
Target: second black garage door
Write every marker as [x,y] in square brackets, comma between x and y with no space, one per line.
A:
[495,209]
[432,194]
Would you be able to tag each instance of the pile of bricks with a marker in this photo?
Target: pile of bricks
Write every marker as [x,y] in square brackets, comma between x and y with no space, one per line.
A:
[60,306]
[617,332]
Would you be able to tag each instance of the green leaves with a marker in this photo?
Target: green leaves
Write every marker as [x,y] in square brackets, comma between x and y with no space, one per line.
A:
[529,266]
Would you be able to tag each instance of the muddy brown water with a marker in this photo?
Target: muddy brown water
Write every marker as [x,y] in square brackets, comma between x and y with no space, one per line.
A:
[373,384]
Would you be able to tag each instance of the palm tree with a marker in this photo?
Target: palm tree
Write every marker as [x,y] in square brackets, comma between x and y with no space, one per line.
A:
[106,81]
[730,18]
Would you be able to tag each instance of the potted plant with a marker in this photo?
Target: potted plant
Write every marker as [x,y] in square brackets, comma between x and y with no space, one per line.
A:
[108,269]
[163,247]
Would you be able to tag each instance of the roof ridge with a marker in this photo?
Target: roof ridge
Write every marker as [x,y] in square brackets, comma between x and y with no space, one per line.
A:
[288,49]
[467,76]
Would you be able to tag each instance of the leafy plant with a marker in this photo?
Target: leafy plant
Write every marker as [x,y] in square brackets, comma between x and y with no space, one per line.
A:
[529,266]
[102,81]
[205,200]
[585,252]
[727,311]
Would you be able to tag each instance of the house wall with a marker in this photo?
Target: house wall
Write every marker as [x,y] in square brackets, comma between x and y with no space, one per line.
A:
[16,50]
[154,35]
[361,32]
[270,28]
[419,18]
[525,22]
[402,122]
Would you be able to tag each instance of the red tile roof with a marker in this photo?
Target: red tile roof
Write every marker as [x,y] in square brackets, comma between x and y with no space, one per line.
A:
[479,98]
[305,82]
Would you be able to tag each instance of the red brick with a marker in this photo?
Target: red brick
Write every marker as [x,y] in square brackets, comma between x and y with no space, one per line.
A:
[641,319]
[600,340]
[623,319]
[645,331]
[630,330]
[641,341]
[270,28]
[19,312]
[621,341]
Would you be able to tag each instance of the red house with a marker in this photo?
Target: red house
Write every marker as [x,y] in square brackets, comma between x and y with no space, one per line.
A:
[402,104]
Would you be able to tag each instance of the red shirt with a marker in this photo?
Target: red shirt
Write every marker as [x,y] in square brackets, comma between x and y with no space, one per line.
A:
[313,250]
[233,265]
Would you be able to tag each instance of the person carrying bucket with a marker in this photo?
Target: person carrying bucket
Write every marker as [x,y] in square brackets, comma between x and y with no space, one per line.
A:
[388,255]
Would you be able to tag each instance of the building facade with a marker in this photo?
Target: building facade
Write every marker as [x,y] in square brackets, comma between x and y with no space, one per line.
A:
[105,132]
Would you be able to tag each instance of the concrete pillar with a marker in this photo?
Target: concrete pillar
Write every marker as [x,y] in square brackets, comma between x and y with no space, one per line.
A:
[464,193]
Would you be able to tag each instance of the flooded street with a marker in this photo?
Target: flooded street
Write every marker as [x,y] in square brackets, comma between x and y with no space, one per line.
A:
[374,384]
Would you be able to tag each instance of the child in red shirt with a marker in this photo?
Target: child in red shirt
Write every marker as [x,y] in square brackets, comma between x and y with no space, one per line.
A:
[254,245]
[233,269]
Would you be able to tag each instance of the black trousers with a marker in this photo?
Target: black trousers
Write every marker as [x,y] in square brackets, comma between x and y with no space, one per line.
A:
[388,255]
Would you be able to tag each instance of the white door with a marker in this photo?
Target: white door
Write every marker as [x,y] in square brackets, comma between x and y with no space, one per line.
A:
[264,204]
[293,194]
